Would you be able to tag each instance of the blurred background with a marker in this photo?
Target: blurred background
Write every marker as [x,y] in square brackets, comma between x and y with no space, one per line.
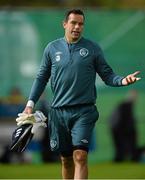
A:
[118,26]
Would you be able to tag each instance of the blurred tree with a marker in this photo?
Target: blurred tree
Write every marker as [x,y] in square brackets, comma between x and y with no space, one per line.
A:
[132,3]
[74,3]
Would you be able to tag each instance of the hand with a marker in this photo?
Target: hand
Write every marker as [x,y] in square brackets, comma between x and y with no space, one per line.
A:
[37,119]
[24,118]
[131,78]
[28,110]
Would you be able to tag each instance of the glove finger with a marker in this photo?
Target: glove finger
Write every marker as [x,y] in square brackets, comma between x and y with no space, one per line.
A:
[44,124]
[23,118]
[24,122]
[37,125]
[27,122]
[20,119]
[20,123]
[32,118]
[41,115]
[21,114]
[25,115]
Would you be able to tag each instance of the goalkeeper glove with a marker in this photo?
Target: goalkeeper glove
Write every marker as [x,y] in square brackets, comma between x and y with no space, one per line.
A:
[27,124]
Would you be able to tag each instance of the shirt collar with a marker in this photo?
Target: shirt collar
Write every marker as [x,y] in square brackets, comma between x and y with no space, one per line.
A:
[73,42]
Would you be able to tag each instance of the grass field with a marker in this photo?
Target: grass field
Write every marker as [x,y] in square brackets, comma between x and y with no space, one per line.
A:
[53,171]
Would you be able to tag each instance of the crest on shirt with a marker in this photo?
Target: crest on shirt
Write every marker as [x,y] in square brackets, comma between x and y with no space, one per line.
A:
[84,52]
[53,144]
[57,55]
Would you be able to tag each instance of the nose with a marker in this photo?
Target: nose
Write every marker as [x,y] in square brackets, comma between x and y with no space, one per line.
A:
[77,26]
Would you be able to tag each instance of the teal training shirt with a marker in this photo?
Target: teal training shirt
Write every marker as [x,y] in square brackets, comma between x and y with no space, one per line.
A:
[72,70]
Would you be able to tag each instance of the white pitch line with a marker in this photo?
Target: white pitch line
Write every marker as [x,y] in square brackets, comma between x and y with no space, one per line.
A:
[126,26]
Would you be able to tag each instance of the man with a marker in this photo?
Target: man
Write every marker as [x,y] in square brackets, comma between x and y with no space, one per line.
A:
[71,64]
[124,131]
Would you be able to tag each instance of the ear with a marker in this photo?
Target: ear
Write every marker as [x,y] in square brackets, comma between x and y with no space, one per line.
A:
[64,24]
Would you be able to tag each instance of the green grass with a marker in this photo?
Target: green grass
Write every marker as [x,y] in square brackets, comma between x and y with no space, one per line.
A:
[53,171]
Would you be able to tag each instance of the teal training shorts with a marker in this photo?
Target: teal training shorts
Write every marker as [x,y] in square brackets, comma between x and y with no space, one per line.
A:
[71,128]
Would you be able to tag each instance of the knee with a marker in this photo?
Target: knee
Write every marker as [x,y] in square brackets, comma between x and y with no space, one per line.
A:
[80,157]
[67,162]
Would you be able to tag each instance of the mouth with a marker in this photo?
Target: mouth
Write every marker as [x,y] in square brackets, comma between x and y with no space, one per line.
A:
[76,33]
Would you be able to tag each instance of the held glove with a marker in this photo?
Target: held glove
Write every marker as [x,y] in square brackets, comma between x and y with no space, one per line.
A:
[37,120]
[27,124]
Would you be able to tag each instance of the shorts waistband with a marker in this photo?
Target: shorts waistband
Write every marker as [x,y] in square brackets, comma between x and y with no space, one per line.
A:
[75,106]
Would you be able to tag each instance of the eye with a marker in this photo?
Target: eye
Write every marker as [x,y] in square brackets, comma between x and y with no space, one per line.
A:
[78,23]
[81,24]
[73,22]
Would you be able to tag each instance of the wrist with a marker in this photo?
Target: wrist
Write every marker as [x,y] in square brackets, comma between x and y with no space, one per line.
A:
[30,103]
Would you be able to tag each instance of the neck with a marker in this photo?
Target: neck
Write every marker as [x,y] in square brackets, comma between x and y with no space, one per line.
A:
[72,41]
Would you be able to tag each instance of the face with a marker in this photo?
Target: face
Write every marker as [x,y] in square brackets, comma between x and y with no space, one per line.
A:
[73,27]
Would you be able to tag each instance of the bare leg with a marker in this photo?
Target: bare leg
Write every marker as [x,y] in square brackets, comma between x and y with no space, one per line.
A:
[67,167]
[81,167]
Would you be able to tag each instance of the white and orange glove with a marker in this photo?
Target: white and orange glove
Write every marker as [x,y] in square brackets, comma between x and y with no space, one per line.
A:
[37,119]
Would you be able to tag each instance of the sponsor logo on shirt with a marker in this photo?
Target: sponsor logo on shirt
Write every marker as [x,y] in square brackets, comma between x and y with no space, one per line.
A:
[84,52]
[57,56]
[53,144]
[84,141]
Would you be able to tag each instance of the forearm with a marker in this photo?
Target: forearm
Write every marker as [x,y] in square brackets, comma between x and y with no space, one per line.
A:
[37,89]
[111,79]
